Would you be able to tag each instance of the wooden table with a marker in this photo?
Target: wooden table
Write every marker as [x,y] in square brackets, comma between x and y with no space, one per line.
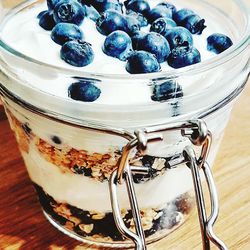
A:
[18,202]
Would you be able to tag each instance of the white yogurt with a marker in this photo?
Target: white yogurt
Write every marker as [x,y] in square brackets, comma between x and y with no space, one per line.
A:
[23,33]
[32,40]
[88,194]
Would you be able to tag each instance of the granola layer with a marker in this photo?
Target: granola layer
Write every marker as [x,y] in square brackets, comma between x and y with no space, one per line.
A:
[78,181]
[81,162]
[100,226]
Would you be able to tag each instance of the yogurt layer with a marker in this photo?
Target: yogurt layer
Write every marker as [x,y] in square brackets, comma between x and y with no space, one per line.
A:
[88,194]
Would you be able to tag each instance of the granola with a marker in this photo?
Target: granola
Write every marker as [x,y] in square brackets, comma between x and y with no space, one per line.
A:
[96,225]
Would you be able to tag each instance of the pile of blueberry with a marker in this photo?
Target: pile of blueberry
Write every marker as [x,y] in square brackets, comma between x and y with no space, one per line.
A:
[169,38]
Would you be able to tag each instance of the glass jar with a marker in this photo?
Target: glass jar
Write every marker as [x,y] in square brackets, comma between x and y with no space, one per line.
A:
[70,151]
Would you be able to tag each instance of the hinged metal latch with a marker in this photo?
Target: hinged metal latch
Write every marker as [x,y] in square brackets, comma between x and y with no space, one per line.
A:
[198,134]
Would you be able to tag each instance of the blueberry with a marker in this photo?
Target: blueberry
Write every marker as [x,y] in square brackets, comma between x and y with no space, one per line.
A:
[218,43]
[56,139]
[118,44]
[41,13]
[84,91]
[26,128]
[180,15]
[167,90]
[142,62]
[179,37]
[136,38]
[88,2]
[110,21]
[64,32]
[162,25]
[133,25]
[156,44]
[148,161]
[87,172]
[77,53]
[182,57]
[82,170]
[126,2]
[159,11]
[194,24]
[52,3]
[46,21]
[92,13]
[141,6]
[69,11]
[143,22]
[103,5]
[169,6]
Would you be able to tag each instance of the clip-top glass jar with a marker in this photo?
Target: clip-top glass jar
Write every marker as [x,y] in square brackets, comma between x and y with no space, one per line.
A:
[71,148]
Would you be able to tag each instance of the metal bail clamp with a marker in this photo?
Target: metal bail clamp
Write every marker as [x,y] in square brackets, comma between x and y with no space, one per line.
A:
[198,134]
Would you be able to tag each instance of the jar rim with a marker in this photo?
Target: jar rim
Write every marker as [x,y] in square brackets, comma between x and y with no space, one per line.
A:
[172,73]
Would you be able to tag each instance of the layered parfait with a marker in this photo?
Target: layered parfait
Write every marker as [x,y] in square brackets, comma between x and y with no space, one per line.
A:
[69,166]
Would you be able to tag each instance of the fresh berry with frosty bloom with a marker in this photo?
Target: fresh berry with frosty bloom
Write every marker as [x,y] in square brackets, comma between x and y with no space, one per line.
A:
[41,13]
[110,21]
[180,58]
[69,11]
[191,21]
[136,38]
[156,44]
[84,91]
[77,53]
[218,43]
[195,24]
[169,6]
[179,37]
[92,13]
[46,20]
[140,6]
[133,24]
[166,91]
[142,62]
[180,15]
[64,32]
[118,44]
[162,25]
[103,5]
[143,22]
[52,3]
[159,11]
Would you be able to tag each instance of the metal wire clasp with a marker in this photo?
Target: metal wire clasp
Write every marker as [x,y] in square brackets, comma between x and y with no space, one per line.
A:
[124,172]
[206,223]
[198,134]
